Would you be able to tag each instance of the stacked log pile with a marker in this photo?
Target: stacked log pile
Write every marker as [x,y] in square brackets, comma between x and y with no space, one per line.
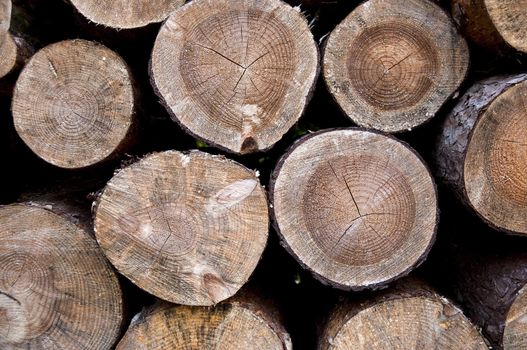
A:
[241,174]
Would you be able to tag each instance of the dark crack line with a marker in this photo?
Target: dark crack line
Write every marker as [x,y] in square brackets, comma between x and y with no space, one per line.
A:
[387,70]
[220,54]
[347,186]
[513,141]
[11,297]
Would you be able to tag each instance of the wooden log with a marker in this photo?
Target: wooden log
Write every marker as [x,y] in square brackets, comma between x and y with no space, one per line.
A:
[236,74]
[356,208]
[391,65]
[493,24]
[74,104]
[408,316]
[126,14]
[56,288]
[233,324]
[187,228]
[482,152]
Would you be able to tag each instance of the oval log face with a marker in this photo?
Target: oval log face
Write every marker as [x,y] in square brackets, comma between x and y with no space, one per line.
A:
[509,18]
[188,228]
[357,208]
[515,332]
[235,73]
[495,170]
[73,103]
[391,65]
[57,291]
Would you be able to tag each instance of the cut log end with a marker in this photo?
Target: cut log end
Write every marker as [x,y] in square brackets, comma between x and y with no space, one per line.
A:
[188,228]
[496,161]
[391,65]
[73,103]
[515,331]
[56,288]
[356,207]
[236,74]
[126,14]
[8,52]
[230,325]
[509,18]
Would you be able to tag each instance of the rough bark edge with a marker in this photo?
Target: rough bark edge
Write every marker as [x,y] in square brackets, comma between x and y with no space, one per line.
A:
[174,117]
[323,45]
[450,151]
[322,279]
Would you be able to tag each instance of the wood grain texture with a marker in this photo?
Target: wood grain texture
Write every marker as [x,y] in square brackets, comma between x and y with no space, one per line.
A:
[57,291]
[235,73]
[188,228]
[482,154]
[355,207]
[74,104]
[126,14]
[391,65]
[234,324]
[509,17]
[407,316]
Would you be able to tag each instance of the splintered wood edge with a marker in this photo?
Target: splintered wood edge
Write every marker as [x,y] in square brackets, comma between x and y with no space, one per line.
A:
[317,274]
[178,106]
[353,80]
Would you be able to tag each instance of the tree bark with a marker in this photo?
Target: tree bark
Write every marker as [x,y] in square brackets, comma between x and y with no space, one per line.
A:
[187,228]
[481,152]
[357,208]
[391,65]
[56,288]
[239,323]
[75,104]
[241,78]
[408,315]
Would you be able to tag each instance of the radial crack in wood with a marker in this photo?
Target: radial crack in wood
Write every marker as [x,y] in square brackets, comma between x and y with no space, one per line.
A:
[355,207]
[235,73]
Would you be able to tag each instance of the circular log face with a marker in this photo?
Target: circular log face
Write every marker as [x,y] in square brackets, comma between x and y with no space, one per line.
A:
[509,18]
[358,208]
[236,73]
[73,103]
[226,326]
[56,288]
[391,64]
[126,13]
[8,52]
[515,333]
[408,323]
[189,229]
[495,172]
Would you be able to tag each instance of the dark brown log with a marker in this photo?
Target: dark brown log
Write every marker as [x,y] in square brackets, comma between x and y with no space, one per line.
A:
[240,323]
[493,24]
[57,291]
[235,73]
[125,14]
[482,151]
[74,104]
[408,316]
[356,208]
[188,228]
[392,64]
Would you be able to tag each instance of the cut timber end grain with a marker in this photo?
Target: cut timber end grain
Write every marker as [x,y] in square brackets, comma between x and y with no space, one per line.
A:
[73,104]
[235,73]
[411,319]
[125,14]
[510,18]
[56,288]
[482,151]
[229,325]
[355,207]
[8,54]
[392,64]
[188,228]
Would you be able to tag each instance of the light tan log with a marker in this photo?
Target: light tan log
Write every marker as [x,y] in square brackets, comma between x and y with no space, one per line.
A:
[355,207]
[482,151]
[233,324]
[493,24]
[188,228]
[235,73]
[126,14]
[74,104]
[57,291]
[392,64]
[409,316]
